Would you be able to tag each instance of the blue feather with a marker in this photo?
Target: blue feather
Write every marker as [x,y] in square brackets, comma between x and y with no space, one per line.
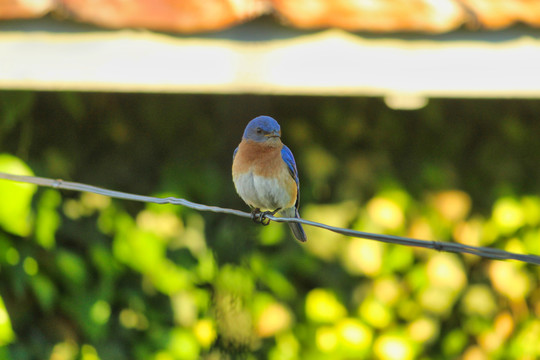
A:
[288,157]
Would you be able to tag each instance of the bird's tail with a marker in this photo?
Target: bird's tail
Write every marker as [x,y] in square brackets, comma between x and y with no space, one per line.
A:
[296,228]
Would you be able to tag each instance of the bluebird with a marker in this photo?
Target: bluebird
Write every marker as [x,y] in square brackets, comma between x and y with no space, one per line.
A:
[264,172]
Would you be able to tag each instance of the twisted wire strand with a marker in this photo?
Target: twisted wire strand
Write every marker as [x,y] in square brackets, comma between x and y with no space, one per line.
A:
[485,252]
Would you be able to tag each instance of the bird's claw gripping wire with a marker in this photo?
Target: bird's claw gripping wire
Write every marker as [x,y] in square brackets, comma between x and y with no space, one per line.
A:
[260,217]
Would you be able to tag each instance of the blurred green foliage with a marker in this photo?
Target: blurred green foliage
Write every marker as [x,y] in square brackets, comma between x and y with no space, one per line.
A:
[86,277]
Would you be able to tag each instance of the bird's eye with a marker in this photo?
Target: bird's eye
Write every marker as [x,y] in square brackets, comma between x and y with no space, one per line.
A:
[259,131]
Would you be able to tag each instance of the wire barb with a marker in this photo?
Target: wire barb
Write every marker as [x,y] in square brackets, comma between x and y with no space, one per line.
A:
[489,253]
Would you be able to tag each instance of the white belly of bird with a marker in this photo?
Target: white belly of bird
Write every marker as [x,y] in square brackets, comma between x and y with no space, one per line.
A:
[262,192]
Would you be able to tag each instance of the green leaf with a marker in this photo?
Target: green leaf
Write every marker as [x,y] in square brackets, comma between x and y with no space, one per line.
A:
[45,291]
[48,219]
[16,198]
[6,332]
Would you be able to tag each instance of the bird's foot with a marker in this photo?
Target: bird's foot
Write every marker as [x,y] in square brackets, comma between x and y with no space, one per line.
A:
[260,217]
[257,217]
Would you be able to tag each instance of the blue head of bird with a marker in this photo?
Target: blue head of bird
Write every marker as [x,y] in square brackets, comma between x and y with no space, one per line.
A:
[263,129]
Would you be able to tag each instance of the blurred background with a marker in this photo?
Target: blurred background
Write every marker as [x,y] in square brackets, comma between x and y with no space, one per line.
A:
[413,118]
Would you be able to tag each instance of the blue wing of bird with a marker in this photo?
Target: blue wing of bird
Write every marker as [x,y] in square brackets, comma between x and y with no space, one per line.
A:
[234,153]
[288,157]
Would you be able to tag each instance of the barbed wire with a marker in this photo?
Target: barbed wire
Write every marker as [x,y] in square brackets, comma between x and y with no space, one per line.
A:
[485,252]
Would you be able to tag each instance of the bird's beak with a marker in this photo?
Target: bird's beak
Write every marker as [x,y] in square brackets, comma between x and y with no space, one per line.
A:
[273,134]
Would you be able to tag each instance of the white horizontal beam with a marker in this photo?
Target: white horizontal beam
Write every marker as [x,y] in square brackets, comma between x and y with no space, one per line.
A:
[328,62]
